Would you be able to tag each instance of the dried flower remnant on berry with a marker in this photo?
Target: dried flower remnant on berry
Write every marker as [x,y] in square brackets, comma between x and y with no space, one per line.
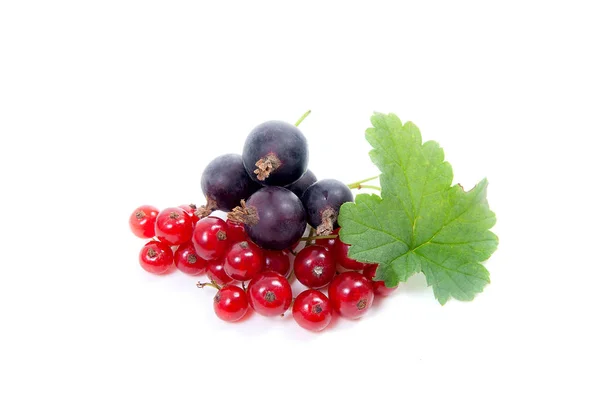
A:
[266,166]
[270,296]
[328,218]
[244,215]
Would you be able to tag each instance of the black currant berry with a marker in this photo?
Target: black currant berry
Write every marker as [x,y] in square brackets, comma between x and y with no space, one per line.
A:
[322,202]
[274,216]
[225,183]
[302,184]
[275,153]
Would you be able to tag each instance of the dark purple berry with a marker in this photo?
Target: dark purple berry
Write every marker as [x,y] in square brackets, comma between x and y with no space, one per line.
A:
[225,183]
[322,202]
[302,184]
[275,218]
[275,153]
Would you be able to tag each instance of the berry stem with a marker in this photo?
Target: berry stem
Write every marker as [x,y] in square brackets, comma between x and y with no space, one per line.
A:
[213,284]
[357,184]
[309,238]
[367,187]
[244,286]
[311,233]
[302,118]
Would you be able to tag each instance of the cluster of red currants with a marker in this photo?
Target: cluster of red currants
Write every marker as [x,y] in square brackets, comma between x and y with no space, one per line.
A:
[222,250]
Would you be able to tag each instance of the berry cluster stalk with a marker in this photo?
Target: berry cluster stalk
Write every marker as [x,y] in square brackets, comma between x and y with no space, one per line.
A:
[359,184]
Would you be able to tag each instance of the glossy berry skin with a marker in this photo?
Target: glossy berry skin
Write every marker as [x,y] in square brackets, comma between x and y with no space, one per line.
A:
[230,303]
[300,186]
[282,146]
[281,219]
[379,287]
[174,226]
[142,221]
[325,195]
[225,182]
[190,209]
[216,272]
[236,232]
[188,261]
[351,294]
[278,261]
[314,266]
[311,310]
[244,261]
[156,257]
[270,294]
[328,243]
[211,238]
[340,250]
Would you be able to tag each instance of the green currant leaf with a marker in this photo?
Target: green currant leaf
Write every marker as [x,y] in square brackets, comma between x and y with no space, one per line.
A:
[420,223]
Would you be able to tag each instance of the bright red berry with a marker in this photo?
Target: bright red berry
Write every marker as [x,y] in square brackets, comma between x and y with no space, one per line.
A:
[211,238]
[215,272]
[142,221]
[340,250]
[314,266]
[188,261]
[243,261]
[328,243]
[379,287]
[236,232]
[174,226]
[269,294]
[156,257]
[230,303]
[312,310]
[190,209]
[351,294]
[278,261]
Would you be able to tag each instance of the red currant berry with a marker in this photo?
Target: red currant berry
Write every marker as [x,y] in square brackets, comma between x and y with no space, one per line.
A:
[243,261]
[142,221]
[215,272]
[269,294]
[314,266]
[351,294]
[340,250]
[278,261]
[312,310]
[236,232]
[156,257]
[211,238]
[174,226]
[379,287]
[231,303]
[328,243]
[190,209]
[188,261]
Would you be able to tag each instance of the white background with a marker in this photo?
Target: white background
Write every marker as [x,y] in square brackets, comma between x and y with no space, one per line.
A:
[111,104]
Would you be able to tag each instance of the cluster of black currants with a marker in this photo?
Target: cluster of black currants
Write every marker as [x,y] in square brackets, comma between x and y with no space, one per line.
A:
[270,190]
[271,199]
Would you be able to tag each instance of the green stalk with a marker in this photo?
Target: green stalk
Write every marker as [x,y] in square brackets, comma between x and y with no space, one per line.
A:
[356,185]
[302,118]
